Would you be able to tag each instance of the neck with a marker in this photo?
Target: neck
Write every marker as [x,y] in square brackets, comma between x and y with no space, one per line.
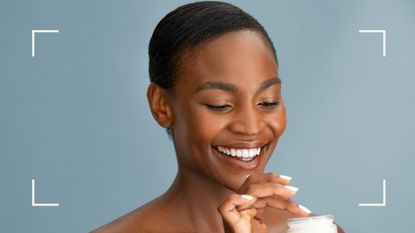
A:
[199,198]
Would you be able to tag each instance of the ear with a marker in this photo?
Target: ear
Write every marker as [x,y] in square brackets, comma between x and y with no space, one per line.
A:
[159,105]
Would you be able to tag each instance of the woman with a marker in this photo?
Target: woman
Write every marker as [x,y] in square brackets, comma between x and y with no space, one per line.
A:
[215,87]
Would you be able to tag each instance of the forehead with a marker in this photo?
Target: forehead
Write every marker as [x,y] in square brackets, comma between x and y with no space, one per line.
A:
[241,58]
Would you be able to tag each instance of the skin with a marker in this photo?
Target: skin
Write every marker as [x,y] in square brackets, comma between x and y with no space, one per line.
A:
[206,193]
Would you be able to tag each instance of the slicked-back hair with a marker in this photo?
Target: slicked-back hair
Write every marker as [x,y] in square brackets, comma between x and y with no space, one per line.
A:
[189,26]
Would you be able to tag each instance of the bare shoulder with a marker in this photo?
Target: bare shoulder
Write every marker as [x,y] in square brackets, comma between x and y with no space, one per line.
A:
[141,219]
[276,220]
[131,222]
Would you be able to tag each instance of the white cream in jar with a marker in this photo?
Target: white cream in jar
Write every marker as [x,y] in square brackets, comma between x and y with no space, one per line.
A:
[315,224]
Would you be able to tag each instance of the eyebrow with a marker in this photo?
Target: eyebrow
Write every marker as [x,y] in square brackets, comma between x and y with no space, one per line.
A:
[232,88]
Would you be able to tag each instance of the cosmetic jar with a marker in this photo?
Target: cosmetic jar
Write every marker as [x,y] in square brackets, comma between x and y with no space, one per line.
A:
[314,224]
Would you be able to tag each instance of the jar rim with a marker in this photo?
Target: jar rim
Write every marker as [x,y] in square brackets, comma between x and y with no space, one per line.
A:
[313,219]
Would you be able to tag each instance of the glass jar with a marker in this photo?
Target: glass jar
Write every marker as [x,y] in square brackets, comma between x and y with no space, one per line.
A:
[314,224]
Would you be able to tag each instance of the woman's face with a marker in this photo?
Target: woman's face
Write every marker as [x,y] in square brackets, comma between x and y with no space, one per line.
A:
[228,97]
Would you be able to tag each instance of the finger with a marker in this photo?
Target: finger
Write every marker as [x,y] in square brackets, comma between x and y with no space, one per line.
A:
[260,215]
[269,189]
[228,209]
[298,209]
[274,202]
[259,227]
[248,214]
[265,178]
[282,204]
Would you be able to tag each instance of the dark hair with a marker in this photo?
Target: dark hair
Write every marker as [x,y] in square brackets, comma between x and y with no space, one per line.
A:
[191,25]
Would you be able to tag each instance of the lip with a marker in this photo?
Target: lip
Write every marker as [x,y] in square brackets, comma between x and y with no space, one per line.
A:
[245,165]
[245,145]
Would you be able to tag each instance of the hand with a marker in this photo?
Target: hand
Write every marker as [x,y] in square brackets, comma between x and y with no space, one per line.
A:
[238,215]
[267,190]
[272,190]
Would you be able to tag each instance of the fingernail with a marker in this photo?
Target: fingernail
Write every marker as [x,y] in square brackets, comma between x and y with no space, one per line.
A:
[305,209]
[247,197]
[247,176]
[295,189]
[285,177]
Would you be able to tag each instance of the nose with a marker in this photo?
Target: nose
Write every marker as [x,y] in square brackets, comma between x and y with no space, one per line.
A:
[247,121]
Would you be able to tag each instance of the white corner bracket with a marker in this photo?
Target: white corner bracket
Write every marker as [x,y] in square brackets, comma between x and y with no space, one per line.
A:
[34,204]
[34,37]
[383,38]
[383,204]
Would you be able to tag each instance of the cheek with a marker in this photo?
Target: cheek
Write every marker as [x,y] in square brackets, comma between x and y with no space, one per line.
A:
[206,124]
[194,132]
[200,125]
[277,122]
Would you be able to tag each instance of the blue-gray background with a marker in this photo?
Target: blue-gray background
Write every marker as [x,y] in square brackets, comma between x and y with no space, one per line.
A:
[76,119]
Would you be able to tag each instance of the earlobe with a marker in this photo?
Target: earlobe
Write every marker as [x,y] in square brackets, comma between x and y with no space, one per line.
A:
[159,105]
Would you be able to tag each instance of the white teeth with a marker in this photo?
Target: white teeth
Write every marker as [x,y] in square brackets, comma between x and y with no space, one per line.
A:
[245,153]
[240,153]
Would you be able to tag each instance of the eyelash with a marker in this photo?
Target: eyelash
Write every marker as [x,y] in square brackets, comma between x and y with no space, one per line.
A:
[223,107]
[270,104]
[218,107]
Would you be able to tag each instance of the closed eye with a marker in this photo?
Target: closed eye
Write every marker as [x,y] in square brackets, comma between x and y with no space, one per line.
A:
[219,107]
[227,106]
[269,104]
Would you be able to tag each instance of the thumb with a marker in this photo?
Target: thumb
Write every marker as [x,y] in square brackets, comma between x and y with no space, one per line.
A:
[248,214]
[229,208]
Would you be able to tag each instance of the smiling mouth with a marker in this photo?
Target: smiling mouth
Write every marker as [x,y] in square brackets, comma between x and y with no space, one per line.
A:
[242,154]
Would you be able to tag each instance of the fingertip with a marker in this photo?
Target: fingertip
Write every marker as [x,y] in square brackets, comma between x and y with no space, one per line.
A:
[304,209]
[247,197]
[287,178]
[291,188]
[298,209]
